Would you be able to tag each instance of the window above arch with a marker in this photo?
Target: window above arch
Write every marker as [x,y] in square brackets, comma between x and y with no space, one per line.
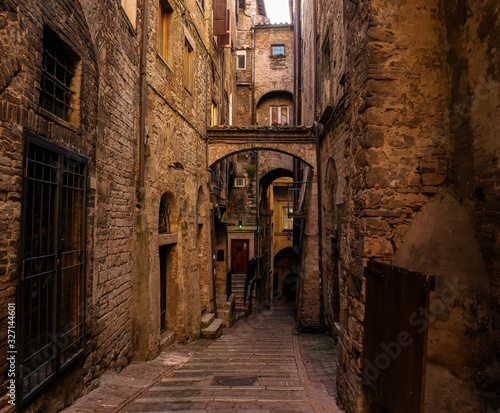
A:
[165,215]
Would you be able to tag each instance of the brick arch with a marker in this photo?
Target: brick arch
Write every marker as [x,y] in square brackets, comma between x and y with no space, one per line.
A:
[227,141]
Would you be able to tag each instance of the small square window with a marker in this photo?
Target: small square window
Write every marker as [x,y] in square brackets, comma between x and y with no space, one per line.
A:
[278,50]
[239,182]
[60,83]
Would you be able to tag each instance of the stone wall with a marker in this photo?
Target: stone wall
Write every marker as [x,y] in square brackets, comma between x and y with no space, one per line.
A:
[105,133]
[273,73]
[177,134]
[413,131]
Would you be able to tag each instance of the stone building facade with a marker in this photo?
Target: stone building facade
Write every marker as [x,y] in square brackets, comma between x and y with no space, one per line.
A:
[405,98]
[96,199]
[189,72]
[68,128]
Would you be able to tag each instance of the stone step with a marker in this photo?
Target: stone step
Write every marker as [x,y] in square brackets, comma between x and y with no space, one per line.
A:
[214,330]
[207,319]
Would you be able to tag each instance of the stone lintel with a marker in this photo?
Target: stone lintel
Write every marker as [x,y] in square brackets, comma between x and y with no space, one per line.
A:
[167,239]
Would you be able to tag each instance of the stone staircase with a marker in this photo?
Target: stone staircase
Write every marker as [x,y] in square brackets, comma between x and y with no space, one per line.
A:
[238,289]
[211,327]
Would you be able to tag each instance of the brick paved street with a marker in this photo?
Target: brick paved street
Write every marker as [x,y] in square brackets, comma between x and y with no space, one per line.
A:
[258,365]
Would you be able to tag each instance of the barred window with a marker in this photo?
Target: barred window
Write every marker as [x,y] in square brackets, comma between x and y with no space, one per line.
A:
[278,50]
[52,285]
[60,78]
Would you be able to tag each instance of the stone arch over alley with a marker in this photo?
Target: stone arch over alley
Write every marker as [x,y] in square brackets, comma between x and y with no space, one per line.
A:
[269,226]
[298,142]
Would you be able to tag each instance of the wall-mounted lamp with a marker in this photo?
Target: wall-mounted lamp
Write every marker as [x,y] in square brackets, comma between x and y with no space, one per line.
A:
[177,166]
[288,236]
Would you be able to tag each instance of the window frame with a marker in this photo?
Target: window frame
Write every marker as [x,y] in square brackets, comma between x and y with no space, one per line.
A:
[54,299]
[165,20]
[289,220]
[276,55]
[238,54]
[243,182]
[279,109]
[64,59]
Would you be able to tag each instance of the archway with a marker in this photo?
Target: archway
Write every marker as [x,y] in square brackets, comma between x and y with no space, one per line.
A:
[169,293]
[285,277]
[330,240]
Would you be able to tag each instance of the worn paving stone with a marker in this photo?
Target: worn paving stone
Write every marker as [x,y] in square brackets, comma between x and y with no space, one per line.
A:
[291,373]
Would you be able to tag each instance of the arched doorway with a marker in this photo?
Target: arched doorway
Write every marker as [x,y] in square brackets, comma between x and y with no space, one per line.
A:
[167,242]
[285,277]
[330,239]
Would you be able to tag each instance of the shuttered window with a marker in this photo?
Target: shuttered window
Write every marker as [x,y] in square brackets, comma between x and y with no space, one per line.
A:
[164,31]
[220,18]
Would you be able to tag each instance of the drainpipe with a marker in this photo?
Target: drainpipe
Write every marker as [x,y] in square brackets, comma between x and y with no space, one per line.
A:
[221,87]
[297,28]
[142,132]
[318,172]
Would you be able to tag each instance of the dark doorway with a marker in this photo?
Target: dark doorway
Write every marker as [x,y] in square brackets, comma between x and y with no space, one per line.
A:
[163,287]
[290,287]
[285,276]
[239,255]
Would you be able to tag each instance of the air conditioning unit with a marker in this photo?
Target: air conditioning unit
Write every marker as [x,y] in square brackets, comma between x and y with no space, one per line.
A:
[239,182]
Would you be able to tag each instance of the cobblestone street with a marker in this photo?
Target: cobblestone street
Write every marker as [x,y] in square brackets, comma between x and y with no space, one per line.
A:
[258,365]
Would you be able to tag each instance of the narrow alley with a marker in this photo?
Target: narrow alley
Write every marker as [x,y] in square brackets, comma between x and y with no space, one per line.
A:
[205,205]
[259,365]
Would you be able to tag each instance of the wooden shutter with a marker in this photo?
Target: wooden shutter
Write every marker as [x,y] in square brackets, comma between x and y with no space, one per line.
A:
[220,17]
[225,40]
[284,116]
[274,116]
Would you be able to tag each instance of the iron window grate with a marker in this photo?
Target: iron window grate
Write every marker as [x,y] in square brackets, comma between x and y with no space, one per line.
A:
[58,70]
[278,50]
[52,285]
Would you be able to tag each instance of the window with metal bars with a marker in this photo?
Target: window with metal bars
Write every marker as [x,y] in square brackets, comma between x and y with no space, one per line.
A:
[60,78]
[278,50]
[52,285]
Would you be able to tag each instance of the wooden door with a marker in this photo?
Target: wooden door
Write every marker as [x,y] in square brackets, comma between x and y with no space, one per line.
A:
[395,336]
[239,255]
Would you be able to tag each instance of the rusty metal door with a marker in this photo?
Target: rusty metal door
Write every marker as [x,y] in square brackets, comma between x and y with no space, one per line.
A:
[395,338]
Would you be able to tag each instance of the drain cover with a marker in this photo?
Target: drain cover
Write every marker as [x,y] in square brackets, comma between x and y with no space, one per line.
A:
[234,380]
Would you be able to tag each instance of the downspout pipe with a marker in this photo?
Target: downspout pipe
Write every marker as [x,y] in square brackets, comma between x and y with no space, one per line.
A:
[142,126]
